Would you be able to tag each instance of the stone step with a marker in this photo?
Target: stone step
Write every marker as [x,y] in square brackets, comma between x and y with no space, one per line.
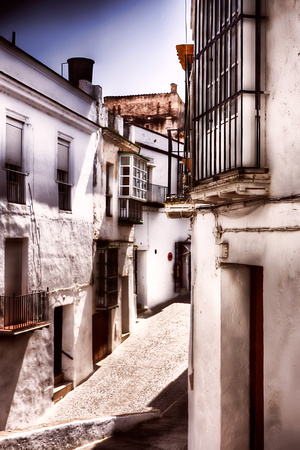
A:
[61,390]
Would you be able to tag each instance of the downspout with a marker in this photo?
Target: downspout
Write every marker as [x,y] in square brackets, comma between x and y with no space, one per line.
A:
[169,161]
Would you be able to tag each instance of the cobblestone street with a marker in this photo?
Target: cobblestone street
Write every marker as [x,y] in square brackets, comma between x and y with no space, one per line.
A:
[146,375]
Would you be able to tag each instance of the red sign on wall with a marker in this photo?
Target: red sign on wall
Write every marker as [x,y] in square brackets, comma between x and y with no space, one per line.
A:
[170,256]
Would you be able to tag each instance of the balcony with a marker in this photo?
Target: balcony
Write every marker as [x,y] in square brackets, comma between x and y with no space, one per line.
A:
[130,211]
[179,207]
[22,313]
[237,185]
[156,194]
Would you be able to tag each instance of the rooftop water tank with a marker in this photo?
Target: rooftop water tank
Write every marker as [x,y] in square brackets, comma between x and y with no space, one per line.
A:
[80,69]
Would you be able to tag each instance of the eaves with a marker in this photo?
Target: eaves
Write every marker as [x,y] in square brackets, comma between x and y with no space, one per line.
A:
[123,143]
[30,96]
[41,68]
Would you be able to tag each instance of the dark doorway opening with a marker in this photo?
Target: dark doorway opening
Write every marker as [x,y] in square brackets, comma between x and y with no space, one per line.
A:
[100,335]
[256,359]
[58,321]
[182,270]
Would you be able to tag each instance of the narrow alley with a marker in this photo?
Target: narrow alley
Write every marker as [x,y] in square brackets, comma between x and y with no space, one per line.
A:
[146,373]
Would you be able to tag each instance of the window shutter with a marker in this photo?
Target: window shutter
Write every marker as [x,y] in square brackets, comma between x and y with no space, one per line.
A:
[14,142]
[63,156]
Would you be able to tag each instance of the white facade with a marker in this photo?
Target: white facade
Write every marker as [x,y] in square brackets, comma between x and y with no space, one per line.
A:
[109,233]
[59,166]
[245,273]
[54,244]
[155,239]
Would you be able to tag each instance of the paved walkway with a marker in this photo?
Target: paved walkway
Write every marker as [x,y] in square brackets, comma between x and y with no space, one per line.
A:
[169,432]
[147,372]
[131,379]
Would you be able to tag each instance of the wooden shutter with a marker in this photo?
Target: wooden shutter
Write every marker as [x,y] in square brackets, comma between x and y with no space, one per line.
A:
[63,155]
[14,130]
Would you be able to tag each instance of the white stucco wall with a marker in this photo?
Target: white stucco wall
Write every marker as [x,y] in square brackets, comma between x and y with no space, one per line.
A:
[108,229]
[22,67]
[161,143]
[157,236]
[59,243]
[265,234]
[276,252]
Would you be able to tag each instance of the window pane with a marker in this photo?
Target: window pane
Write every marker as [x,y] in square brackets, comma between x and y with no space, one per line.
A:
[63,155]
[14,142]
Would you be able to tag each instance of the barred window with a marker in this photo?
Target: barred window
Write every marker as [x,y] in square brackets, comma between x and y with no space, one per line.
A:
[63,175]
[107,278]
[15,178]
[227,86]
[108,189]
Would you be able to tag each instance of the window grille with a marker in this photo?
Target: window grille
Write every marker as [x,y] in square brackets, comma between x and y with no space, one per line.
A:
[108,195]
[64,187]
[107,278]
[130,210]
[15,178]
[227,86]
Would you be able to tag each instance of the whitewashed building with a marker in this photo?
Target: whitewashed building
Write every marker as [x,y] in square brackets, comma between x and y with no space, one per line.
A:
[66,248]
[115,213]
[49,134]
[244,359]
[162,246]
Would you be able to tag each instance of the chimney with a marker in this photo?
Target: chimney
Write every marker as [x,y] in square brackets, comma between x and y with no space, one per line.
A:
[173,88]
[80,69]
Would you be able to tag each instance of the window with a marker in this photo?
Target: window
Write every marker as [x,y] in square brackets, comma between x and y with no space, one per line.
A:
[15,178]
[227,86]
[107,278]
[131,210]
[108,190]
[63,175]
[133,177]
[132,188]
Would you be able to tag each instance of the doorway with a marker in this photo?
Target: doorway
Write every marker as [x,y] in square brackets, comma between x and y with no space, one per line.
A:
[182,272]
[256,359]
[242,418]
[100,335]
[58,324]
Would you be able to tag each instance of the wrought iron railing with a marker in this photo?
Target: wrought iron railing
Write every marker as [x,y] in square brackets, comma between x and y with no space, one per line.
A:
[130,210]
[107,301]
[156,193]
[64,196]
[15,182]
[23,311]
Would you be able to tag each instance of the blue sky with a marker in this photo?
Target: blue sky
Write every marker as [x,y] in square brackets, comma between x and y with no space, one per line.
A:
[133,42]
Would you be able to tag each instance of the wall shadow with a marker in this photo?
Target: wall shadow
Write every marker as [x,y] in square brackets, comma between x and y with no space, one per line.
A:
[12,353]
[168,431]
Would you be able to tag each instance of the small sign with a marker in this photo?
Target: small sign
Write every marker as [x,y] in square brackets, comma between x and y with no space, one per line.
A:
[170,256]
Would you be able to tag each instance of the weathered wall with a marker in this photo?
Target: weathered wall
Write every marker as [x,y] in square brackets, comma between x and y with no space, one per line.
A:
[205,355]
[157,236]
[107,229]
[158,112]
[25,389]
[276,253]
[256,235]
[59,253]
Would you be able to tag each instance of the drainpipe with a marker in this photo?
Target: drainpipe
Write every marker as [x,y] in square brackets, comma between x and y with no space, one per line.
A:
[169,160]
